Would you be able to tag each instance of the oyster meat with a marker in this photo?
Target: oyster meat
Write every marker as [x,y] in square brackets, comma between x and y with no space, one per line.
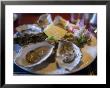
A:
[66,51]
[35,55]
[68,55]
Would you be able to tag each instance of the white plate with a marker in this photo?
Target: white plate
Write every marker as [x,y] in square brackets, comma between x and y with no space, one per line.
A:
[89,53]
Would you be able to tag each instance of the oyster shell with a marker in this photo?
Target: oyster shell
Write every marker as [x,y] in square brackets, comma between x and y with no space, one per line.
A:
[44,20]
[61,22]
[68,55]
[66,51]
[40,52]
[29,29]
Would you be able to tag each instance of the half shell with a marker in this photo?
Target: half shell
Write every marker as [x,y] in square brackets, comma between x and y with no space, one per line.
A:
[68,55]
[21,60]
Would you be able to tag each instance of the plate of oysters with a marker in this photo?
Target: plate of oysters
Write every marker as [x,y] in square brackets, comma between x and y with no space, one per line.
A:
[53,46]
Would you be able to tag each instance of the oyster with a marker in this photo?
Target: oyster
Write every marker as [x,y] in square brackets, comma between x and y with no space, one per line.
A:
[61,22]
[29,29]
[34,54]
[66,51]
[44,20]
[33,29]
[68,55]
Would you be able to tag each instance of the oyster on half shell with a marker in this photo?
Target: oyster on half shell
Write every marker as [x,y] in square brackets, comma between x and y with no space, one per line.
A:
[66,51]
[34,54]
[68,55]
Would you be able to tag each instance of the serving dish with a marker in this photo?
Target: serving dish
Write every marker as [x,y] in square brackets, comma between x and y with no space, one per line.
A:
[51,35]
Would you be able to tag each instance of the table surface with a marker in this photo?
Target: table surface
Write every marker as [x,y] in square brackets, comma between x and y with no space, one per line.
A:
[31,19]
